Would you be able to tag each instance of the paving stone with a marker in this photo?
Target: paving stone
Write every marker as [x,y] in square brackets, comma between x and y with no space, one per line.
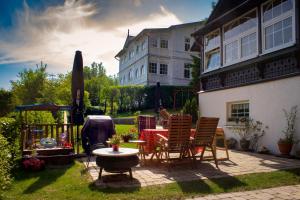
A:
[154,173]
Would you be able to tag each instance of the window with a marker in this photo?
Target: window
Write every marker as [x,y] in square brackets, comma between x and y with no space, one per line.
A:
[163,69]
[164,44]
[231,52]
[187,44]
[142,70]
[137,73]
[278,24]
[212,50]
[144,45]
[154,42]
[237,111]
[137,49]
[153,68]
[213,59]
[130,75]
[131,54]
[187,70]
[249,45]
[240,38]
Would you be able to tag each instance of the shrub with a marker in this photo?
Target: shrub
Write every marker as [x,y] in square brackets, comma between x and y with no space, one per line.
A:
[191,107]
[5,166]
[9,129]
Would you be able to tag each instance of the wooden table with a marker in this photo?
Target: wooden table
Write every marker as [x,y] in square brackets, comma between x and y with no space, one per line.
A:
[116,161]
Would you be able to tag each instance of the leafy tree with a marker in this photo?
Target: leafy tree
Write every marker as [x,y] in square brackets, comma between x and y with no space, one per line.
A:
[6,102]
[28,89]
[195,66]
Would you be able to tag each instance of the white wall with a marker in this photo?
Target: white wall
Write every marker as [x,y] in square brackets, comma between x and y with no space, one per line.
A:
[267,101]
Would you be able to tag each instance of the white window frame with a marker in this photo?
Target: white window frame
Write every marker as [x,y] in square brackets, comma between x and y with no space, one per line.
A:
[166,44]
[144,45]
[229,109]
[154,42]
[160,66]
[187,43]
[151,66]
[239,39]
[212,49]
[291,13]
[142,70]
[187,65]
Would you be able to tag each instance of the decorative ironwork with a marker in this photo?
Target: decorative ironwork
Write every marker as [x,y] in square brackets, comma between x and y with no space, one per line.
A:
[252,74]
[281,67]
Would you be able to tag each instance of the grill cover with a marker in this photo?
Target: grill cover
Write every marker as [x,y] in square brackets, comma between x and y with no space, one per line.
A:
[96,129]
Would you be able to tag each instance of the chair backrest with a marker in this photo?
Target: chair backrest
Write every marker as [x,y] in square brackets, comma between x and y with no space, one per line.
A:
[146,122]
[164,114]
[205,131]
[179,132]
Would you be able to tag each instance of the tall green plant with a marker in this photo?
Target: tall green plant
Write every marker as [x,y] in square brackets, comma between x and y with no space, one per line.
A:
[290,129]
[191,108]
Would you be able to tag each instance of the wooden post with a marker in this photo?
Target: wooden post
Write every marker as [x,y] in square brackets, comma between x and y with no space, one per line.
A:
[77,138]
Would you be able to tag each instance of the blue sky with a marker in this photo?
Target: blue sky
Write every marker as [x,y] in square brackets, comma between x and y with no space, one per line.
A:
[51,31]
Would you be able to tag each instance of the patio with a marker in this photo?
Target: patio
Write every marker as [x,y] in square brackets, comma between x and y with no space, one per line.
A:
[153,173]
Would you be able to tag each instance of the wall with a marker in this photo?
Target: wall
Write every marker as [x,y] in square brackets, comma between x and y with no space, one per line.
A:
[267,101]
[136,62]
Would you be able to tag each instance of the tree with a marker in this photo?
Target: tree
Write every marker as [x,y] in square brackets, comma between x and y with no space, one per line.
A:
[195,66]
[6,102]
[28,89]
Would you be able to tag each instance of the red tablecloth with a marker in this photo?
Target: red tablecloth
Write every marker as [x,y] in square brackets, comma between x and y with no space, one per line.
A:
[149,135]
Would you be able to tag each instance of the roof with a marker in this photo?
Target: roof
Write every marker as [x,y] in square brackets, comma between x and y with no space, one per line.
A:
[222,7]
[130,39]
[225,11]
[42,107]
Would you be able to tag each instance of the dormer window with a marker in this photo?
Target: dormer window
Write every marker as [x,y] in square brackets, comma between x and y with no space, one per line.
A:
[212,50]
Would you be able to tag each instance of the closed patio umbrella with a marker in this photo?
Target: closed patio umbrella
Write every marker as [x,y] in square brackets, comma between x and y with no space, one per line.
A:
[77,90]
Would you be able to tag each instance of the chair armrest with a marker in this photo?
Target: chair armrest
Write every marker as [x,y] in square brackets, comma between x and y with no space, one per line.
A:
[162,137]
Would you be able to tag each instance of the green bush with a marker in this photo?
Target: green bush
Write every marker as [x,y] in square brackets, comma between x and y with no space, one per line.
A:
[191,107]
[9,129]
[5,166]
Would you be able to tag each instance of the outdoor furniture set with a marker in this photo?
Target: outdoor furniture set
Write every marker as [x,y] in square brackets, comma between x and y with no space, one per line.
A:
[179,138]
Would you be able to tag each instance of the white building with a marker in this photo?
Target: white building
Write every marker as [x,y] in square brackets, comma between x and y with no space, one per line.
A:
[251,65]
[158,55]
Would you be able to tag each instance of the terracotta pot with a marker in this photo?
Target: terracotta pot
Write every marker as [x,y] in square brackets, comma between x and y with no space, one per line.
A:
[244,144]
[115,147]
[285,148]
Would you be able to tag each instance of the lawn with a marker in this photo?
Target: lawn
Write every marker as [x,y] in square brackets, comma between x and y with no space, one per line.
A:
[72,182]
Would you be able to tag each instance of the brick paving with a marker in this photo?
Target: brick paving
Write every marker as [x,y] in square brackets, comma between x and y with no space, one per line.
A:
[153,173]
[286,192]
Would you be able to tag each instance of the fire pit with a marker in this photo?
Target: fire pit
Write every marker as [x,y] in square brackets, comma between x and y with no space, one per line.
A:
[116,161]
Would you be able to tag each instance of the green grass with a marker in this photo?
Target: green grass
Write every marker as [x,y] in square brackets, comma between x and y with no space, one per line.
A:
[72,183]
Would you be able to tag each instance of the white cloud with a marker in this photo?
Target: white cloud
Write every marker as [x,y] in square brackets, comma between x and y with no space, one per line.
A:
[55,34]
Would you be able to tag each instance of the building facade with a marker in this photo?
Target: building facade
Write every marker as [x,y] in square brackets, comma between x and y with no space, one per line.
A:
[158,55]
[250,68]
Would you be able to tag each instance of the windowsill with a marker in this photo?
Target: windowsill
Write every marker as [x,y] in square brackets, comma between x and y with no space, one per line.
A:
[278,48]
[209,70]
[233,125]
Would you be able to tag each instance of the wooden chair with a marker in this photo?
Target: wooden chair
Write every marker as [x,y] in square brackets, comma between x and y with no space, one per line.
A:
[178,139]
[220,135]
[204,137]
[164,115]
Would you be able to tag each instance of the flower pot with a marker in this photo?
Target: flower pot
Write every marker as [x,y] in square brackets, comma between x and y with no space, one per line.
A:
[115,147]
[245,144]
[285,148]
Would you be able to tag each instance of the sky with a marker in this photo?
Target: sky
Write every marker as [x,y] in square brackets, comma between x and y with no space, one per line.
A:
[51,31]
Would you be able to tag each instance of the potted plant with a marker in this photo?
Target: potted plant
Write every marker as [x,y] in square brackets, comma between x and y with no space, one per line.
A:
[286,143]
[115,142]
[250,132]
